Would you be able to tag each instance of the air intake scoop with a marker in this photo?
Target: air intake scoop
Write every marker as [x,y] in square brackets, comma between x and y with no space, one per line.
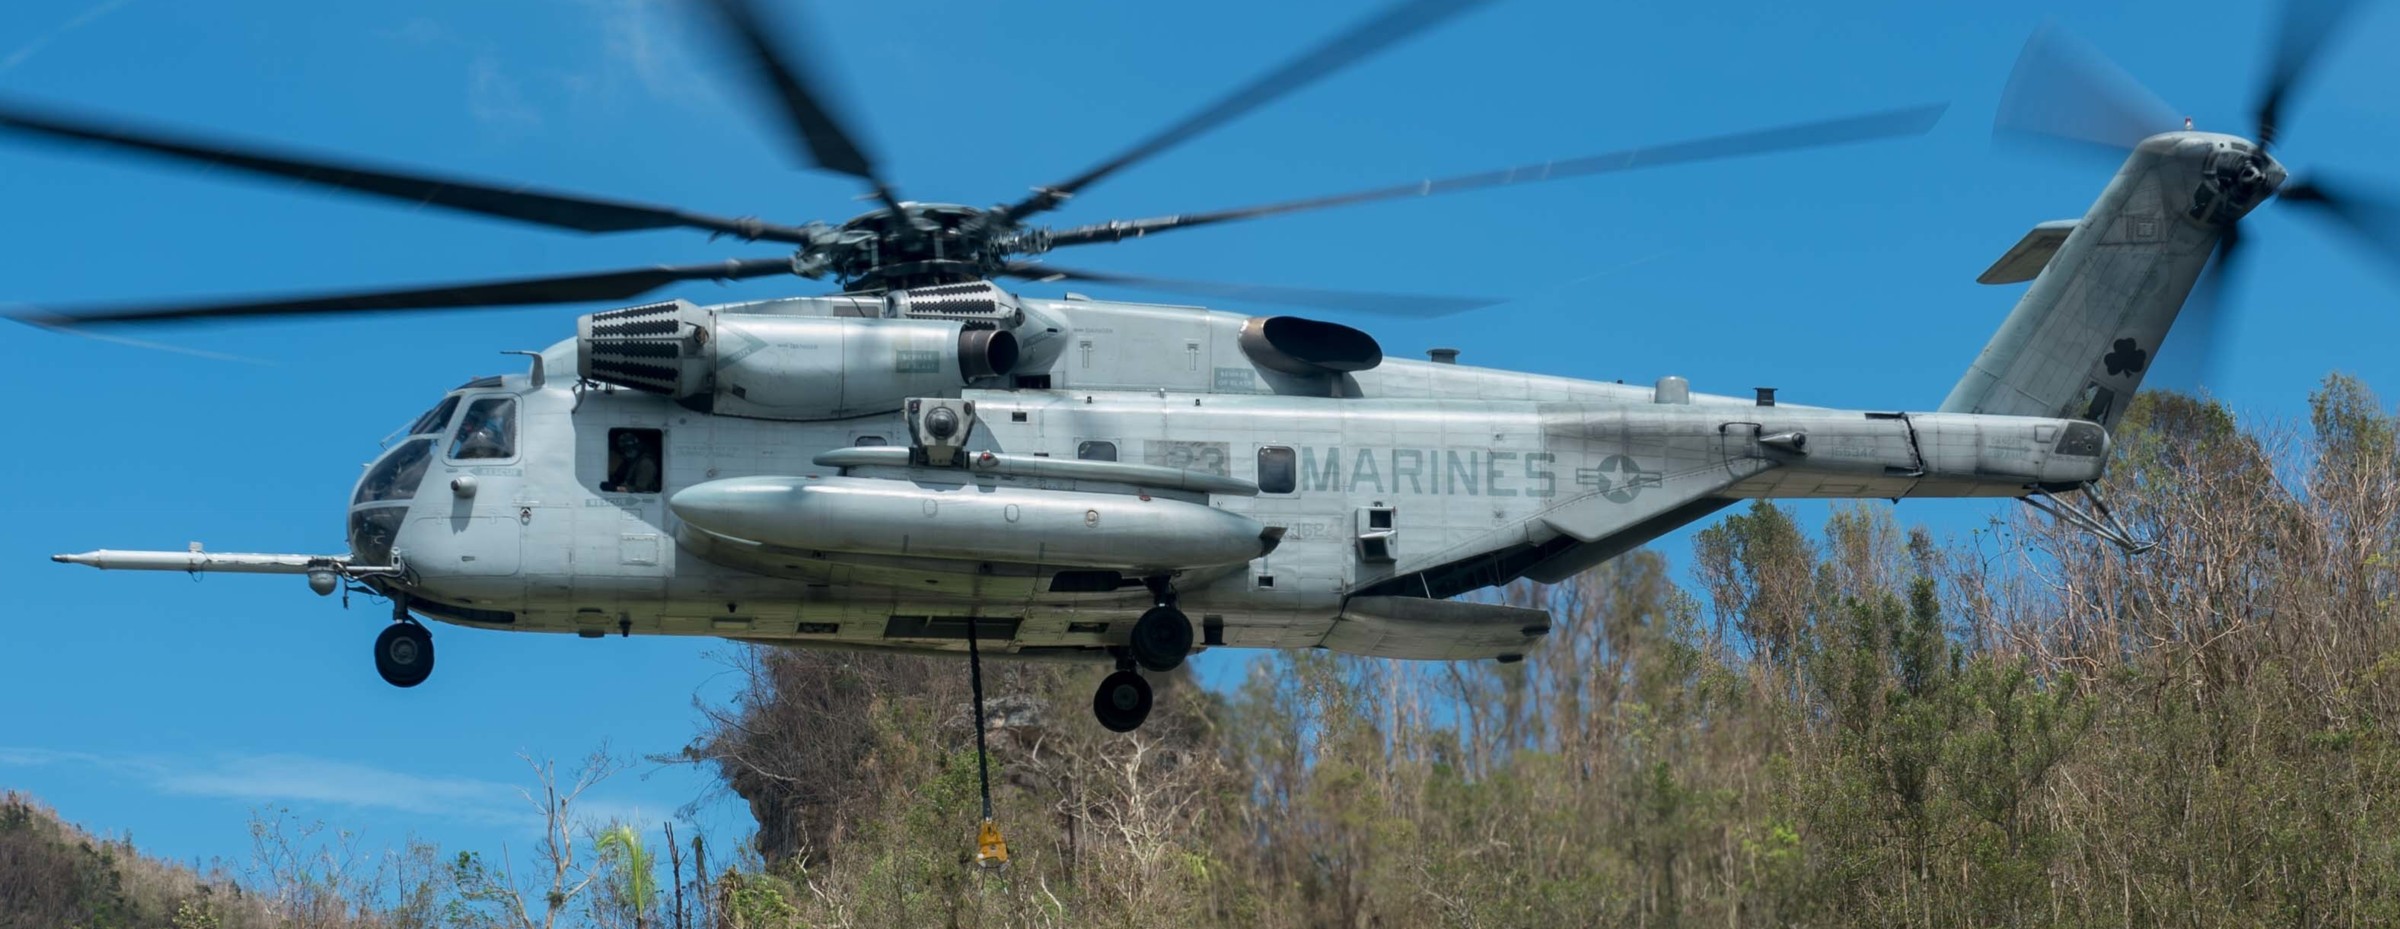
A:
[1294,345]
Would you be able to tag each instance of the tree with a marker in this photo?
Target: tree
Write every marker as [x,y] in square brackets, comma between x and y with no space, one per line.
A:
[631,871]
[497,896]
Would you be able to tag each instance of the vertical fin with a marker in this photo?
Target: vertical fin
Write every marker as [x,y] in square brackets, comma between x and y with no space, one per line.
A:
[2080,340]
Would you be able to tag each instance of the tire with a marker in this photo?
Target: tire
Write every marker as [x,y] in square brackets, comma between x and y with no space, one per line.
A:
[404,654]
[1122,702]
[1161,639]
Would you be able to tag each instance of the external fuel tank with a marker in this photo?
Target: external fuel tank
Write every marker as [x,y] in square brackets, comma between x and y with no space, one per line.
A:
[1137,534]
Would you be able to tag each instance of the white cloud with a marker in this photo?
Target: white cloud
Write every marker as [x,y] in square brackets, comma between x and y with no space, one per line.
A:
[304,781]
[630,33]
[495,98]
[38,757]
[423,31]
[494,95]
[85,18]
[647,43]
[301,779]
[609,46]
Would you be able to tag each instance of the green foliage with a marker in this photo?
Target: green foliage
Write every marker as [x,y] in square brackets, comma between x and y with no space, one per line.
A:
[755,901]
[633,873]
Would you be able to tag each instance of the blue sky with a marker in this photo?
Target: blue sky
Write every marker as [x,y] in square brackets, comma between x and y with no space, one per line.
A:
[170,707]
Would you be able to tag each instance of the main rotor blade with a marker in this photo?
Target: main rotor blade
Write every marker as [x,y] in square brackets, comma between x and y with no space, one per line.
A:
[1902,122]
[2065,90]
[523,204]
[821,135]
[2373,219]
[1351,301]
[1378,32]
[568,288]
[2300,37]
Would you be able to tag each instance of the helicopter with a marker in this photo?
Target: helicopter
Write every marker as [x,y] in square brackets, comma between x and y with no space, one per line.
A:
[925,461]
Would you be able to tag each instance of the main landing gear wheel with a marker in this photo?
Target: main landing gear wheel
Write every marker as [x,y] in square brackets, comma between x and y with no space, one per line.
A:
[404,654]
[1123,701]
[1161,638]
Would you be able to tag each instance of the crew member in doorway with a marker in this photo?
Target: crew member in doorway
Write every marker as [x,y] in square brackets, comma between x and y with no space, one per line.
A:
[633,464]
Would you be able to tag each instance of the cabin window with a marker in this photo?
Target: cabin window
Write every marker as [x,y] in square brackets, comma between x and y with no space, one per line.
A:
[489,430]
[1096,450]
[636,460]
[1278,469]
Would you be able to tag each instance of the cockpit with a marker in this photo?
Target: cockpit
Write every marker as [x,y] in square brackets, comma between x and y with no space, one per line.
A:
[473,423]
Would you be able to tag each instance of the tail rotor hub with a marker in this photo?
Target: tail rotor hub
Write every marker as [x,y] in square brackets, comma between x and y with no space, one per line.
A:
[2244,176]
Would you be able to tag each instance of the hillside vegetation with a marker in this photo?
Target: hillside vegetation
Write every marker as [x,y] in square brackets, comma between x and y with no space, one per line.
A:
[54,875]
[1848,724]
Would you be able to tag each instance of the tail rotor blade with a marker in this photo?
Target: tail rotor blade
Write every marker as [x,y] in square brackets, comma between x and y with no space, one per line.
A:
[2300,37]
[2371,219]
[2199,358]
[2065,91]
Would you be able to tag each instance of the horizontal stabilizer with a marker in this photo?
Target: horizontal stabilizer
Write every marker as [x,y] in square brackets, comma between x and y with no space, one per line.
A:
[2030,255]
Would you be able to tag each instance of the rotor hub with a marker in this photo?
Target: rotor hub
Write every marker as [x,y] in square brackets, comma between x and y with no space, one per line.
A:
[917,245]
[2245,174]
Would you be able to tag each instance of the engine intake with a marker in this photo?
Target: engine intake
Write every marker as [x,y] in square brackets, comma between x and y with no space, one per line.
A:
[787,367]
[968,302]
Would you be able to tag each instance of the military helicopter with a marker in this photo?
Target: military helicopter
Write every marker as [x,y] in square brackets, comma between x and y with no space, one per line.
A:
[926,461]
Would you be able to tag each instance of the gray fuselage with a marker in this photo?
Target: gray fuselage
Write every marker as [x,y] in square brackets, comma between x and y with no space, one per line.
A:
[1465,477]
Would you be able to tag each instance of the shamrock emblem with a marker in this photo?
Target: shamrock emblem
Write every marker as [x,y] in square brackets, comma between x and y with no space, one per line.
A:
[2126,359]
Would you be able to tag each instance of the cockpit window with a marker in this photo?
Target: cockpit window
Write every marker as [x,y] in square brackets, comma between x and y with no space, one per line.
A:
[397,475]
[489,430]
[434,419]
[372,531]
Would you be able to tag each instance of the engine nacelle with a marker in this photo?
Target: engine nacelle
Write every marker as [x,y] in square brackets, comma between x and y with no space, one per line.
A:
[787,367]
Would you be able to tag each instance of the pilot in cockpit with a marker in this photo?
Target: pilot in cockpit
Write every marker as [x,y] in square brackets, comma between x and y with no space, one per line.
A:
[482,435]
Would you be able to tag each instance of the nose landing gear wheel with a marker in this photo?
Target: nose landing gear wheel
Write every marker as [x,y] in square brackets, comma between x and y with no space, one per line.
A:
[1123,701]
[404,654]
[1161,638]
